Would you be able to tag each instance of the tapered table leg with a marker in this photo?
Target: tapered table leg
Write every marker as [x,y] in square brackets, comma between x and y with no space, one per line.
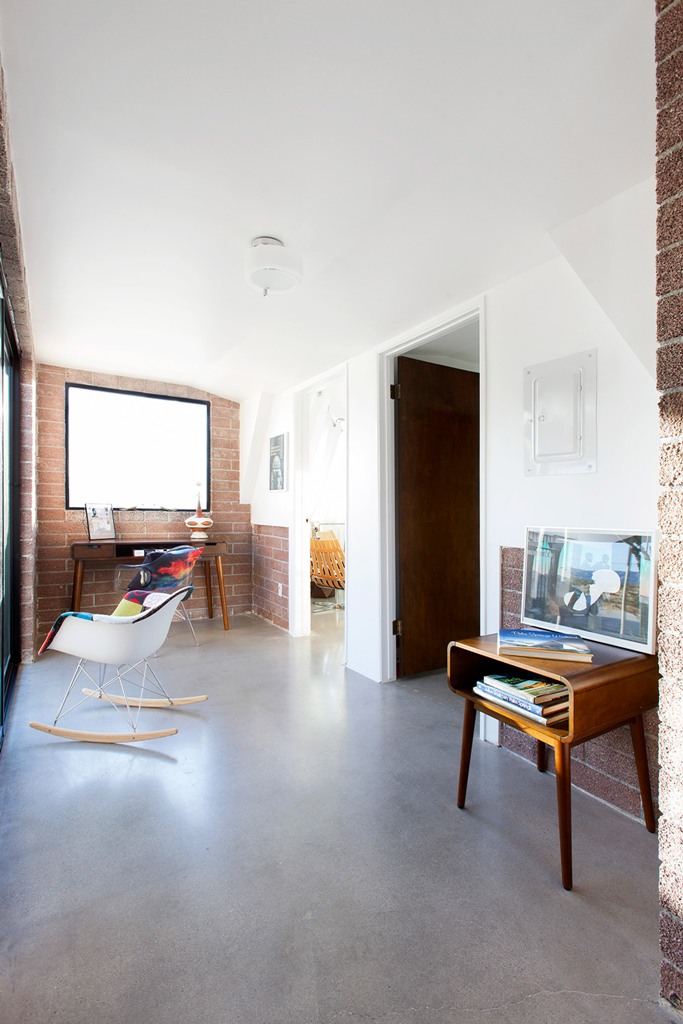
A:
[640,752]
[466,750]
[77,586]
[540,755]
[221,591]
[207,582]
[564,809]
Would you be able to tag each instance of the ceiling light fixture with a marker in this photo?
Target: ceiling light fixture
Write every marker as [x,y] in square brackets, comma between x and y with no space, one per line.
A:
[271,266]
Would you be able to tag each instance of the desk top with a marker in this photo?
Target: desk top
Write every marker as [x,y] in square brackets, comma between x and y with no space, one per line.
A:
[82,550]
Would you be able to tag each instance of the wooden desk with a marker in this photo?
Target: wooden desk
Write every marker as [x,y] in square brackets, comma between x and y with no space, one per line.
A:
[92,552]
[613,690]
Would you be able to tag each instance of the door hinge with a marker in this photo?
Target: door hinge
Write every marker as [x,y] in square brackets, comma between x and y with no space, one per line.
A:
[394,391]
[397,627]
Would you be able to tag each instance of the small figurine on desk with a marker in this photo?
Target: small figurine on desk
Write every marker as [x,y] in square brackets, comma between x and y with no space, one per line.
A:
[199,523]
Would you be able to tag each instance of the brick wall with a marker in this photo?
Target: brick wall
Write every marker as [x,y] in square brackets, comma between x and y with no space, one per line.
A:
[58,528]
[604,766]
[669,57]
[271,568]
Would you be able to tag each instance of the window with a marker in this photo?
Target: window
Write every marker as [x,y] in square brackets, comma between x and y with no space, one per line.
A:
[133,450]
[9,504]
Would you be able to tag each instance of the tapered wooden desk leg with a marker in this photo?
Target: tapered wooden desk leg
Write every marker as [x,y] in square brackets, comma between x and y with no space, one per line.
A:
[207,582]
[466,750]
[640,752]
[221,590]
[77,586]
[564,809]
[540,755]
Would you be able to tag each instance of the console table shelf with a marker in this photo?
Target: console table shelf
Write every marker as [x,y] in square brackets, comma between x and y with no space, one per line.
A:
[611,691]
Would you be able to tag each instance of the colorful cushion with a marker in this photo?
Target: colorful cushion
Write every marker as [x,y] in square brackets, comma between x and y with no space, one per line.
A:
[136,601]
[165,570]
[131,603]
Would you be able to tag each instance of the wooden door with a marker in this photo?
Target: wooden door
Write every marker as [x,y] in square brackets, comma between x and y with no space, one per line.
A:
[437,511]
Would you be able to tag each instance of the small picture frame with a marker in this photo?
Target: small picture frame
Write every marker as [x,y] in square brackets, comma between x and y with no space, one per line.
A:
[100,520]
[277,463]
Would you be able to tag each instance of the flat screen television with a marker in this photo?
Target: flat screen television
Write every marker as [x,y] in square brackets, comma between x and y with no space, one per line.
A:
[600,584]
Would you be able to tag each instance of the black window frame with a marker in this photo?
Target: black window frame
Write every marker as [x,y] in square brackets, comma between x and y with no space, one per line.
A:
[70,385]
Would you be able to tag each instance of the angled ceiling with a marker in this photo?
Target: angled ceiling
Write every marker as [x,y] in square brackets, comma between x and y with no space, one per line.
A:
[414,155]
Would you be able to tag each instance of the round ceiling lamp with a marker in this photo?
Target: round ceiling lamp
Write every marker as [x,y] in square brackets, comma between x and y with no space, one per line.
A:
[271,267]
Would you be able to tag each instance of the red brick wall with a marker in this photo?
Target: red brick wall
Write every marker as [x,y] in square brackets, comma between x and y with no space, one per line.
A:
[58,528]
[271,569]
[669,57]
[605,766]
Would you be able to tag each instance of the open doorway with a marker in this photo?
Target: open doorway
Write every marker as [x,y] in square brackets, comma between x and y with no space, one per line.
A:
[440,523]
[325,500]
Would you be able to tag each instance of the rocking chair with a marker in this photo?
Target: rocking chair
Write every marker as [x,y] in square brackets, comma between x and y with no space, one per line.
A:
[123,642]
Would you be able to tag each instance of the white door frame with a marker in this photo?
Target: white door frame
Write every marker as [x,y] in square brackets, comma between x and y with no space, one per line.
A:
[387,473]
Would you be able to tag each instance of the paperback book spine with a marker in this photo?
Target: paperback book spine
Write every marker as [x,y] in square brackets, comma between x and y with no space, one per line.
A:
[511,698]
[503,703]
[533,691]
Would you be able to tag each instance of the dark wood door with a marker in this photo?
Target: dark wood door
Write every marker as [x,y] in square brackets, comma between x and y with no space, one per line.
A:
[437,511]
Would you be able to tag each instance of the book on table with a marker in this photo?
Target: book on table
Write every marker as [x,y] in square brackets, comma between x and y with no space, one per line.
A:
[554,716]
[543,643]
[558,701]
[533,691]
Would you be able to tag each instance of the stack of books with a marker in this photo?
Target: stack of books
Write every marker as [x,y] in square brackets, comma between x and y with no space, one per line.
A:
[544,702]
[543,643]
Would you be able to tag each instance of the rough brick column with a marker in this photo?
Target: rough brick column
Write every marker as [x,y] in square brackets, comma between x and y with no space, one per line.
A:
[669,57]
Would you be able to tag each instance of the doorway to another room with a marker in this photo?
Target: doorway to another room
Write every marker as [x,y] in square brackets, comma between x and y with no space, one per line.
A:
[437,424]
[325,505]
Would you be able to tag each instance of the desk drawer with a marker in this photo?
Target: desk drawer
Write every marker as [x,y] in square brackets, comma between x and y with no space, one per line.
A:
[103,549]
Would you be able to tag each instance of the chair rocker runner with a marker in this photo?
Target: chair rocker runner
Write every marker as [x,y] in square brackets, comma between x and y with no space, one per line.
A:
[120,645]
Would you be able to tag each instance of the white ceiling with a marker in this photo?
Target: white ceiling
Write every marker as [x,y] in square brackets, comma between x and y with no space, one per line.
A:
[414,154]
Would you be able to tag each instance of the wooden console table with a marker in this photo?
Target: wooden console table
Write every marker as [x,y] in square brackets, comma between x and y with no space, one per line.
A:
[613,690]
[88,553]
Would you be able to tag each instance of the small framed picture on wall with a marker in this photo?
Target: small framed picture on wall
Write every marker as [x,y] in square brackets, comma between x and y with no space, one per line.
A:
[277,463]
[100,519]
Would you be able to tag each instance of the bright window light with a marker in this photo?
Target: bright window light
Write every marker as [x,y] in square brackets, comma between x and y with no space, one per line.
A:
[133,450]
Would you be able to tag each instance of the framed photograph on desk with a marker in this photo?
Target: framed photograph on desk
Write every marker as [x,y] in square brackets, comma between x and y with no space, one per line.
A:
[100,519]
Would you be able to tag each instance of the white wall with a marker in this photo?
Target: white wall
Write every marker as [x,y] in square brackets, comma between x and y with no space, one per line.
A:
[611,248]
[261,418]
[364,612]
[542,315]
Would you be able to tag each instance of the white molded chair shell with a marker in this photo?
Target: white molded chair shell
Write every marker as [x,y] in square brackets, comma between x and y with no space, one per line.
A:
[118,640]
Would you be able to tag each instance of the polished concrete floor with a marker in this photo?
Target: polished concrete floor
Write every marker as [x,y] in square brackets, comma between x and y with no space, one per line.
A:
[294,856]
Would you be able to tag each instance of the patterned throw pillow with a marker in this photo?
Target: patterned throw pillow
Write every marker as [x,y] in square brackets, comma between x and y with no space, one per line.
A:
[136,601]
